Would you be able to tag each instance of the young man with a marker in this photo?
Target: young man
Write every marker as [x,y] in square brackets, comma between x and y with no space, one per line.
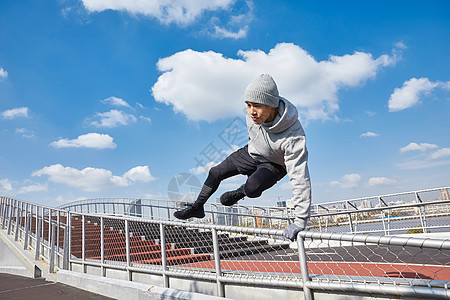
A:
[276,148]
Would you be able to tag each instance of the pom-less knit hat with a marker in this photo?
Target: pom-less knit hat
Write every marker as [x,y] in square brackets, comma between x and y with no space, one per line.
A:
[262,90]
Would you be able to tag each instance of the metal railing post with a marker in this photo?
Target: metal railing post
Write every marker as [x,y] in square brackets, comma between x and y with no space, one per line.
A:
[102,245]
[38,236]
[52,250]
[220,287]
[307,293]
[83,242]
[127,241]
[16,234]
[421,215]
[11,209]
[58,226]
[42,226]
[3,212]
[66,250]
[162,230]
[27,232]
[50,213]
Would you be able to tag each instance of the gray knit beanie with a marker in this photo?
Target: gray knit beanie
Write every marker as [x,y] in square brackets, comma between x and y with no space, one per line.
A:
[262,90]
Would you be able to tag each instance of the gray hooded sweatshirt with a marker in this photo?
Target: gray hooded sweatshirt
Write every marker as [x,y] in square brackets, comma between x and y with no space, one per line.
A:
[282,141]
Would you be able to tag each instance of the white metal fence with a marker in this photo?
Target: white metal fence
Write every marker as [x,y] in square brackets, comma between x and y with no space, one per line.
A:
[410,212]
[223,254]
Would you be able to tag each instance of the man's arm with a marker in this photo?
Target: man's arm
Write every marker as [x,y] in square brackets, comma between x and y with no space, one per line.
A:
[296,161]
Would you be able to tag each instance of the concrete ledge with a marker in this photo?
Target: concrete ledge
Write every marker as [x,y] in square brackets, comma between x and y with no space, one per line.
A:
[15,260]
[121,289]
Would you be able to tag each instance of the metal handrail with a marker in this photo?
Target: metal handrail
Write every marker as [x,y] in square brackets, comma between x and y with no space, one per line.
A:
[13,211]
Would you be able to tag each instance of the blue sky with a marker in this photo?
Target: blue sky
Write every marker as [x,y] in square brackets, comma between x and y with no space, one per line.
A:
[106,98]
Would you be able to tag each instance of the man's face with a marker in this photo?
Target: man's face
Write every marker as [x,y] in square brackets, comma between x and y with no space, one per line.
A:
[260,113]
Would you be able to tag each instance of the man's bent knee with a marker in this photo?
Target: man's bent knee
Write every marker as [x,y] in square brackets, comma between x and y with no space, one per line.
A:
[252,192]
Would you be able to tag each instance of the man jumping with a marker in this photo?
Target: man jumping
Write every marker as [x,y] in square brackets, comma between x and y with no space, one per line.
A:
[276,147]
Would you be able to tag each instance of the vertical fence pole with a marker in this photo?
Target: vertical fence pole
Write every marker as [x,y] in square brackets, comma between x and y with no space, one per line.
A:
[389,221]
[102,245]
[42,226]
[213,214]
[127,241]
[16,235]
[1,209]
[162,230]
[50,213]
[38,235]
[83,242]
[22,218]
[27,208]
[304,268]
[66,251]
[58,226]
[220,288]
[3,212]
[421,215]
[27,232]
[52,250]
[11,209]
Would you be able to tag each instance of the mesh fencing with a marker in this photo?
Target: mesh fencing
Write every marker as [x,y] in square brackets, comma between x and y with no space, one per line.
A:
[412,212]
[249,252]
[263,254]
[383,261]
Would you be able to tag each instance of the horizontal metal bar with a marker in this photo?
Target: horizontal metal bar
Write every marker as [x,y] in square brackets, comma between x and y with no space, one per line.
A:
[381,289]
[379,240]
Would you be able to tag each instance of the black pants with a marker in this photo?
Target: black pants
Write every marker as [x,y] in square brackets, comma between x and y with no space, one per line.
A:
[261,176]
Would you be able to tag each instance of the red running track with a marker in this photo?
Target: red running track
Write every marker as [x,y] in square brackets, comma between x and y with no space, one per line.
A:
[410,271]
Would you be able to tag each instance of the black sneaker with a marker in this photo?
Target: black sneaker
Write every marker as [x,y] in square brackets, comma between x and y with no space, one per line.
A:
[230,198]
[189,212]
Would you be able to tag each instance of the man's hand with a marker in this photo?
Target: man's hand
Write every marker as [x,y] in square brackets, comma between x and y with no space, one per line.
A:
[291,231]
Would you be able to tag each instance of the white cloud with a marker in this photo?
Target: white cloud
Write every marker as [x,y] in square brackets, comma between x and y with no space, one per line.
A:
[400,45]
[140,173]
[409,94]
[24,132]
[422,164]
[381,181]
[427,159]
[33,188]
[221,32]
[90,140]
[116,102]
[15,113]
[208,86]
[174,11]
[3,74]
[92,179]
[443,152]
[348,181]
[113,118]
[201,170]
[369,134]
[418,147]
[5,186]
[146,119]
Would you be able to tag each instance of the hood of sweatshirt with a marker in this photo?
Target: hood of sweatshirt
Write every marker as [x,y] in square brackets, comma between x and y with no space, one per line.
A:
[286,117]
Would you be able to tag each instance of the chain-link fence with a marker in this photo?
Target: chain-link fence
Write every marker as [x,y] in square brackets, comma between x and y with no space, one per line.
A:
[252,255]
[422,211]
